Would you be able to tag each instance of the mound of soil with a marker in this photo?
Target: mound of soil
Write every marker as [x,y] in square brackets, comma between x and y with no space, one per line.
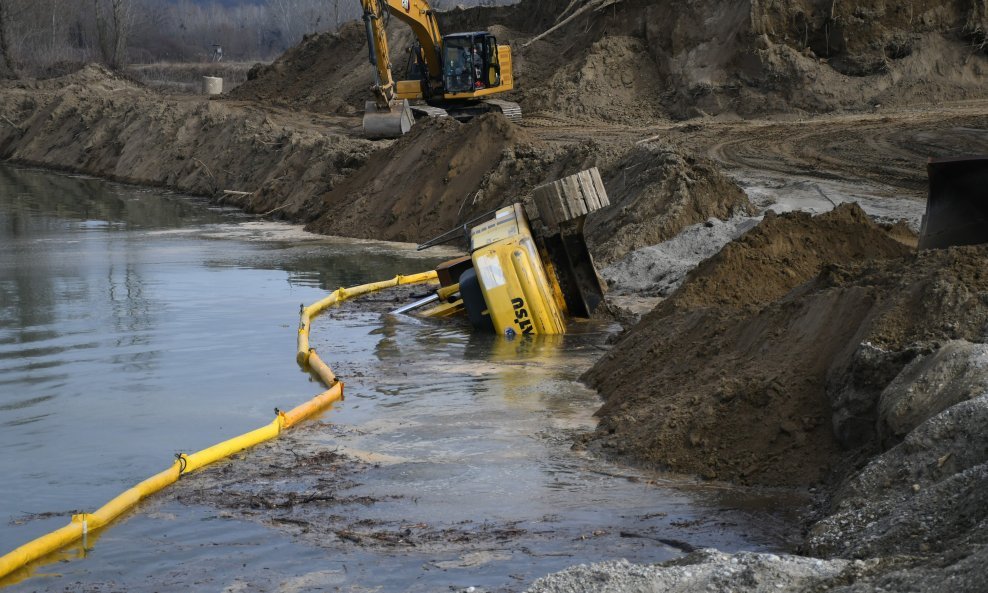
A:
[655,193]
[801,55]
[440,175]
[325,73]
[710,383]
[615,80]
[782,252]
[98,123]
[636,60]
[450,173]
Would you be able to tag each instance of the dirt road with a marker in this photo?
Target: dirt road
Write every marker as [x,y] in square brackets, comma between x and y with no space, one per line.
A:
[885,149]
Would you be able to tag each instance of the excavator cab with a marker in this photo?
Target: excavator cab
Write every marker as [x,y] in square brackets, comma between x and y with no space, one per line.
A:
[470,62]
[456,75]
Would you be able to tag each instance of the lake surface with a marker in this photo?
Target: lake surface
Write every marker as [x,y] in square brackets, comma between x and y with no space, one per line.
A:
[135,324]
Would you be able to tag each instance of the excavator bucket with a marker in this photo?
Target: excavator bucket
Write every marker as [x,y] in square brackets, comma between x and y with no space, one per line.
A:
[392,123]
[957,206]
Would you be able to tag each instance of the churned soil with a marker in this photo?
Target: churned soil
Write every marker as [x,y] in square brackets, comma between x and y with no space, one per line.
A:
[782,252]
[638,60]
[728,378]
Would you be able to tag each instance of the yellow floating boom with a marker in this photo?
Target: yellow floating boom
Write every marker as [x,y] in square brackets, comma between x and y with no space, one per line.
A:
[85,523]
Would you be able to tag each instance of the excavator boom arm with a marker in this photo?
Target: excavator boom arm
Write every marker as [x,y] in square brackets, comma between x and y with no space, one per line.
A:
[380,56]
[420,17]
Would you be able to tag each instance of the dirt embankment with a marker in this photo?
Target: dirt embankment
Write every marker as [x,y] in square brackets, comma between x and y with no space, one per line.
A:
[441,175]
[770,360]
[97,123]
[804,55]
[309,168]
[325,73]
[450,173]
[823,352]
[624,61]
[656,192]
[764,264]
[636,60]
[730,384]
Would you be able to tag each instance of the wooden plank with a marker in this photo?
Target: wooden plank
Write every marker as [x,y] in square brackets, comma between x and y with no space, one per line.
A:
[598,187]
[589,191]
[571,197]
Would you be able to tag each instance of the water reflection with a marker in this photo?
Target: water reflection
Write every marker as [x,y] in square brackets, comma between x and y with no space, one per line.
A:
[135,325]
[150,317]
[88,299]
[36,201]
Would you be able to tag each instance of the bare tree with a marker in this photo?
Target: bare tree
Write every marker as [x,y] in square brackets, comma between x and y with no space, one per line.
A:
[8,58]
[44,36]
[102,35]
[113,29]
[122,22]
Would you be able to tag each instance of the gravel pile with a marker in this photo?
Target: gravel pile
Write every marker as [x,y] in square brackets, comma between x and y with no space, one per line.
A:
[704,570]
[658,270]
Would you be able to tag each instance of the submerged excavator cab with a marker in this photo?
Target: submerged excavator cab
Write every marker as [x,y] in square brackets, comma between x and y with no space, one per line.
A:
[528,268]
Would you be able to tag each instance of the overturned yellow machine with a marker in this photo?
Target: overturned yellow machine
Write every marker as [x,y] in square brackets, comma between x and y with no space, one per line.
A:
[529,268]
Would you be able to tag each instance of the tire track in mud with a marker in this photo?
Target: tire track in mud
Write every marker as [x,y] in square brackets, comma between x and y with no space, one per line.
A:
[884,153]
[890,150]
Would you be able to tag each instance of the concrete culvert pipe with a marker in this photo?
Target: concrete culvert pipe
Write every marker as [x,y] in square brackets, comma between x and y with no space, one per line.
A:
[212,85]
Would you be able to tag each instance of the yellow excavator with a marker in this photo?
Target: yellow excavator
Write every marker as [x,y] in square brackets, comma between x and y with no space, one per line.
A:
[455,75]
[529,268]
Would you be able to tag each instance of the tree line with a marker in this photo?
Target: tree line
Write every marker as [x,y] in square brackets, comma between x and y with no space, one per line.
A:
[40,36]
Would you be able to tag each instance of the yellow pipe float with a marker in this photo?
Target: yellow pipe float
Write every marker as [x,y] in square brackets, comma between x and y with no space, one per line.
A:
[83,524]
[340,295]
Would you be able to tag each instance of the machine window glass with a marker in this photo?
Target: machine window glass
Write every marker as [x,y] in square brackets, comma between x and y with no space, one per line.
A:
[458,65]
[493,68]
[478,63]
[415,66]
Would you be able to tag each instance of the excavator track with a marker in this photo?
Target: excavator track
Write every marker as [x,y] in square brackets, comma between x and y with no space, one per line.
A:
[509,109]
[429,111]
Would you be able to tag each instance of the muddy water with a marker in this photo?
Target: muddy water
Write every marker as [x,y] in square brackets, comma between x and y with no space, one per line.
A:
[136,324]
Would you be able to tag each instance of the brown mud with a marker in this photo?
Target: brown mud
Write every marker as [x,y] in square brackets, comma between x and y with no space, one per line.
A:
[305,490]
[634,60]
[722,382]
[810,355]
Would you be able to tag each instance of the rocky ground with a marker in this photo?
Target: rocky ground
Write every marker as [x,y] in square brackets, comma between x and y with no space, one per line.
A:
[819,353]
